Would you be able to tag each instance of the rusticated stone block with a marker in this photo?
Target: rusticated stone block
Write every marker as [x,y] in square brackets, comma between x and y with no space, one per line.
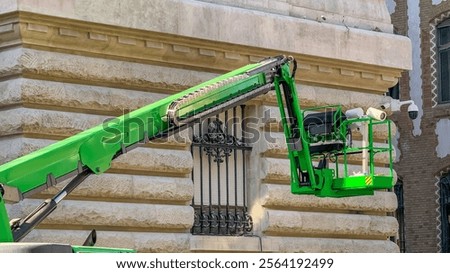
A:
[273,143]
[116,216]
[280,197]
[13,148]
[45,122]
[225,244]
[317,224]
[140,241]
[321,245]
[275,169]
[363,15]
[152,160]
[135,188]
[76,97]
[101,71]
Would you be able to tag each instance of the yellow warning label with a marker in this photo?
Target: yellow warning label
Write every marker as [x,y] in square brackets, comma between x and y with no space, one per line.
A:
[368,180]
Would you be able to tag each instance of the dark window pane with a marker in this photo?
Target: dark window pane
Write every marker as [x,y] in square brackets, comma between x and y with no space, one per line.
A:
[394,92]
[444,35]
[445,213]
[400,215]
[445,77]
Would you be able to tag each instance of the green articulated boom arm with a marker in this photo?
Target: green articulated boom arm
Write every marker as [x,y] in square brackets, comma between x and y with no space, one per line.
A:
[315,139]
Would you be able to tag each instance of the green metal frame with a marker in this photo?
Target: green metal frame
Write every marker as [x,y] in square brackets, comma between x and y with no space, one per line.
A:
[5,229]
[92,249]
[370,181]
[325,181]
[94,149]
[329,182]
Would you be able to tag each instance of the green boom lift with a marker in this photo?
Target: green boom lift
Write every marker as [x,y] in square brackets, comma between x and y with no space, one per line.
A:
[319,143]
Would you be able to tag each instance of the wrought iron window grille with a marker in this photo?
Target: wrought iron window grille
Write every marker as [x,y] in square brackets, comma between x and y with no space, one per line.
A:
[219,175]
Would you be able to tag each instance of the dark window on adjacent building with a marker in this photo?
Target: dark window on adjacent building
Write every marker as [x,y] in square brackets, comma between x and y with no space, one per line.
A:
[443,33]
[220,152]
[400,215]
[445,213]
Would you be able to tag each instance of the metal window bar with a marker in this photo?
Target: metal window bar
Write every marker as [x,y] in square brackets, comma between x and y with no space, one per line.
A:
[445,210]
[219,151]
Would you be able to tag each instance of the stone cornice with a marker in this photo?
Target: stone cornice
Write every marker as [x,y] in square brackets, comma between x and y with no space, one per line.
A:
[50,33]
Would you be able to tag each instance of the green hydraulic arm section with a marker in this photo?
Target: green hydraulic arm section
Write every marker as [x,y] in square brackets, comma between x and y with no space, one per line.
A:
[313,142]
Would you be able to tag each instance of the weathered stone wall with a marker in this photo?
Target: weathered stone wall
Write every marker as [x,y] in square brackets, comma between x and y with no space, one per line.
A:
[67,67]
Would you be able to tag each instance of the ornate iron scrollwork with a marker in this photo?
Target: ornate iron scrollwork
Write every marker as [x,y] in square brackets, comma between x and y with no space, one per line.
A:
[217,221]
[217,143]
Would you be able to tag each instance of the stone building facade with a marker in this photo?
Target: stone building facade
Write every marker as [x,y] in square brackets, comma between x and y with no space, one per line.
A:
[69,65]
[423,161]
